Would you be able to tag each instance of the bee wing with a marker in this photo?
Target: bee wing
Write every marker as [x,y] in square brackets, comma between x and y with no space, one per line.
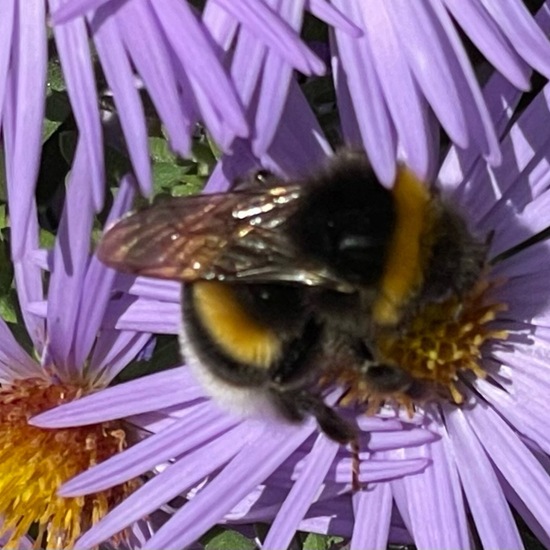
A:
[230,237]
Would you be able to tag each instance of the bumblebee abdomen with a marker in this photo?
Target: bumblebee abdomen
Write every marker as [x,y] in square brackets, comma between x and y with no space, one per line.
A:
[239,335]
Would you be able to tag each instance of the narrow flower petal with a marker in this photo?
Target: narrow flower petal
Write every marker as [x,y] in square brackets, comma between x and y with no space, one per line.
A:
[146,287]
[433,499]
[170,483]
[333,17]
[490,511]
[143,316]
[113,351]
[517,415]
[6,31]
[302,493]
[200,424]
[374,470]
[261,20]
[149,53]
[194,52]
[522,471]
[121,79]
[518,25]
[276,78]
[74,53]
[14,361]
[358,76]
[454,84]
[28,278]
[231,485]
[299,142]
[139,396]
[69,10]
[406,108]
[480,27]
[100,278]
[27,108]
[374,504]
[70,261]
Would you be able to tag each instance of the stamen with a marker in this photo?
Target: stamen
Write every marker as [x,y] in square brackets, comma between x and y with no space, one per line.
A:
[436,346]
[35,462]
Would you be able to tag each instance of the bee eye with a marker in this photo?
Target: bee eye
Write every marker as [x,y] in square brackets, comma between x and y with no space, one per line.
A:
[263,177]
[264,295]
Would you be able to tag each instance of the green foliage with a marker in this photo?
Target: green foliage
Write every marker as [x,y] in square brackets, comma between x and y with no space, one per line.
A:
[313,541]
[228,540]
[165,356]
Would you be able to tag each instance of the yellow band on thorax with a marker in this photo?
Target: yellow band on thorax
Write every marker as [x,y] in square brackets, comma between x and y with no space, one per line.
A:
[232,328]
[403,271]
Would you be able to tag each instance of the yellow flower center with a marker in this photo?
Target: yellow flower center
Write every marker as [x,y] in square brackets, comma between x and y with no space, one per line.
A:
[35,462]
[439,343]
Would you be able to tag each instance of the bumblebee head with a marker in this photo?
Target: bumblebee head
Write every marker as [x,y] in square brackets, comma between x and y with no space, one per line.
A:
[347,222]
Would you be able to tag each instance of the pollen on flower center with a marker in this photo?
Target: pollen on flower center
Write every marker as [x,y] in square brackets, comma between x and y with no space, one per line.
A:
[35,462]
[435,346]
[444,339]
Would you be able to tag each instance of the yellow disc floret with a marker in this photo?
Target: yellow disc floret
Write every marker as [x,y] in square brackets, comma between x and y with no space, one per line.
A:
[35,462]
[443,340]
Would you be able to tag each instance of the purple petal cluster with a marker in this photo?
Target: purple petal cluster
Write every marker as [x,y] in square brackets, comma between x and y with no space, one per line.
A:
[421,484]
[410,71]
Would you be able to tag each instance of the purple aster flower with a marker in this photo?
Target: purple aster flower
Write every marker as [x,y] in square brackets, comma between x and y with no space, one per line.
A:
[192,439]
[419,471]
[390,91]
[181,71]
[75,356]
[410,68]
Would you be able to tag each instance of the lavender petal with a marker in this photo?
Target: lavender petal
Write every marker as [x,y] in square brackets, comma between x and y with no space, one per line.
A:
[120,77]
[171,387]
[74,53]
[257,459]
[170,483]
[200,424]
[302,493]
[100,278]
[28,62]
[516,463]
[372,511]
[490,511]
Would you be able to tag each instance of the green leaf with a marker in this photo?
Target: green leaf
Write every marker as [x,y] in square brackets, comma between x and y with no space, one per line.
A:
[67,145]
[55,81]
[46,239]
[191,185]
[160,150]
[229,540]
[202,153]
[314,541]
[57,111]
[6,269]
[8,309]
[167,175]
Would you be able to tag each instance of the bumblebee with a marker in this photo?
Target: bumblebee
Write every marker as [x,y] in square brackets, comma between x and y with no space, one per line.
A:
[287,281]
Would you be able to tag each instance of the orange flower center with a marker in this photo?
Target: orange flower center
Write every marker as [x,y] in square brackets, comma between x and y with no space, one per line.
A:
[35,462]
[436,346]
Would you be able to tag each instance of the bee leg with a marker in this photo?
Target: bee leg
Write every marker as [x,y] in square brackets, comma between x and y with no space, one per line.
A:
[355,465]
[296,405]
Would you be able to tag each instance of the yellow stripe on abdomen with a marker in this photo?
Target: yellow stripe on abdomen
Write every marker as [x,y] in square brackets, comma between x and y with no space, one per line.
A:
[232,328]
[402,276]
